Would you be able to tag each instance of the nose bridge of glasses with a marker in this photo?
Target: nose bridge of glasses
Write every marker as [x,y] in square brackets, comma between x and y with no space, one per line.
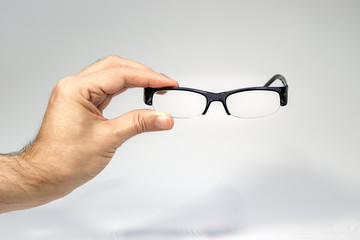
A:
[216,97]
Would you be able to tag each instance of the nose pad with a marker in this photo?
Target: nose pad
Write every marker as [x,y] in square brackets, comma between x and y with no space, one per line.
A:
[220,103]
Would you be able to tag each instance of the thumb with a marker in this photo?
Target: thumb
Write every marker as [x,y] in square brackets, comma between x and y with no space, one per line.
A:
[139,121]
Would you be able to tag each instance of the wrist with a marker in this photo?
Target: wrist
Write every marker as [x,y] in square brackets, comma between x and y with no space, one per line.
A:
[41,182]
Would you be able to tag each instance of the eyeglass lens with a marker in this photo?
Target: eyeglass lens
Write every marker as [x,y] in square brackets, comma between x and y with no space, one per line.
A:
[179,104]
[253,104]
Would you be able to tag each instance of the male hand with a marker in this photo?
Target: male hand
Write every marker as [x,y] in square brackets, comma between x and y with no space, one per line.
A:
[76,141]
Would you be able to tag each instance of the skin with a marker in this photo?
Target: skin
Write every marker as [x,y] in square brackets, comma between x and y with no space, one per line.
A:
[75,141]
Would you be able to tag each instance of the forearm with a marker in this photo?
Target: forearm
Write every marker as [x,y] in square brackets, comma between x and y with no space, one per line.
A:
[12,184]
[21,185]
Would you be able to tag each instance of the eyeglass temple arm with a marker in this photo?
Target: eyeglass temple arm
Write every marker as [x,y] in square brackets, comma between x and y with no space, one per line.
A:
[274,78]
[148,95]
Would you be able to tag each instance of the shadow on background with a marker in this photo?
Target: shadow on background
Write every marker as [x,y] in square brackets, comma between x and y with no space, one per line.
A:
[286,193]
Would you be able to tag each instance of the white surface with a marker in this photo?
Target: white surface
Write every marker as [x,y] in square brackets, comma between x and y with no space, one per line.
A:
[294,175]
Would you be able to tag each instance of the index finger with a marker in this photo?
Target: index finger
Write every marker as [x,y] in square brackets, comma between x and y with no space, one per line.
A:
[110,62]
[113,80]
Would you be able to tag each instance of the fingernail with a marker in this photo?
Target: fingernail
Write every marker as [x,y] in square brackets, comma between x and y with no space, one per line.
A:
[163,123]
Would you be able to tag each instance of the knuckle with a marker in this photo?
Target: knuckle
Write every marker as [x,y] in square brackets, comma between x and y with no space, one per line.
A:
[139,123]
[148,68]
[63,88]
[112,61]
[117,61]
[112,58]
[62,84]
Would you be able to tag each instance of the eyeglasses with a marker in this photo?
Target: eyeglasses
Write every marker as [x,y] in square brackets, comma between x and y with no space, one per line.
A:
[251,102]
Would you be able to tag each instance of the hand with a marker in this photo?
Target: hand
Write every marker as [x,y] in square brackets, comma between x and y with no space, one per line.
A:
[76,141]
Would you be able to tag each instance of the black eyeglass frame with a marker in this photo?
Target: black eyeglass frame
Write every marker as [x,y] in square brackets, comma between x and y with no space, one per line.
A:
[222,96]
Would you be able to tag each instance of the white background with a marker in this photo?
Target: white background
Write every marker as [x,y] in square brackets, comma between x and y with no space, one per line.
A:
[294,175]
